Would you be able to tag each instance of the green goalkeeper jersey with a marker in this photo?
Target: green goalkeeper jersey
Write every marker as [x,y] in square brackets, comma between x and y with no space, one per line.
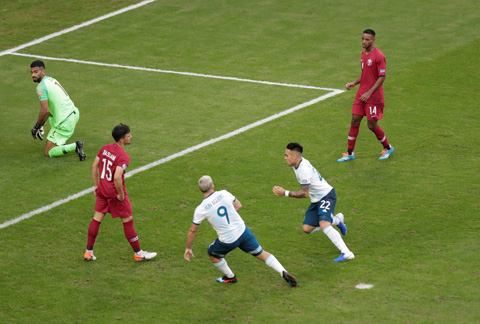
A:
[59,102]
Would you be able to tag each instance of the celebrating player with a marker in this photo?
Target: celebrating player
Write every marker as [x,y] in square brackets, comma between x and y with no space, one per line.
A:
[59,109]
[369,100]
[319,215]
[220,208]
[108,172]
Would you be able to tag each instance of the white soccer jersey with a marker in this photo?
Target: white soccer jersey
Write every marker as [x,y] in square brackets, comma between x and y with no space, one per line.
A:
[308,175]
[218,209]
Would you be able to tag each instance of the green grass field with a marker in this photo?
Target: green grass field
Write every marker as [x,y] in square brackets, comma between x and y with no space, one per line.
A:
[412,220]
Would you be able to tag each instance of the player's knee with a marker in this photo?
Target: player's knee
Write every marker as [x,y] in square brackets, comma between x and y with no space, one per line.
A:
[307,229]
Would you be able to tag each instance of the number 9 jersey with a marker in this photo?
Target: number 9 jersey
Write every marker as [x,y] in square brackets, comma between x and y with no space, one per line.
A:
[111,156]
[218,209]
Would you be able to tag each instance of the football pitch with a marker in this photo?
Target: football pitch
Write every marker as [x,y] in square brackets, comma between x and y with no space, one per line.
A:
[220,88]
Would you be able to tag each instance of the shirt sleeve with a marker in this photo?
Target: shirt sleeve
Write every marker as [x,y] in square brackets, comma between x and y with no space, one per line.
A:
[381,65]
[42,91]
[124,161]
[198,216]
[304,177]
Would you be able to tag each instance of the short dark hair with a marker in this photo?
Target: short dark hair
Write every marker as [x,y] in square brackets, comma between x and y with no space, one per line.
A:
[37,63]
[295,147]
[120,131]
[369,31]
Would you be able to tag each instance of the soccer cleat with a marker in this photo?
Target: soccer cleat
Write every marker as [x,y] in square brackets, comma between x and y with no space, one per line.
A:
[225,279]
[144,255]
[341,226]
[345,257]
[386,153]
[346,157]
[79,150]
[289,279]
[88,256]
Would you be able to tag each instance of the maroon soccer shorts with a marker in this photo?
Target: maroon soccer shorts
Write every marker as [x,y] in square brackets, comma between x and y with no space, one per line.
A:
[372,111]
[114,206]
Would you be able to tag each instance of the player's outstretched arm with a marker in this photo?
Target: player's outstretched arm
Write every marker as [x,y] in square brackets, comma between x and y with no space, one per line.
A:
[192,232]
[302,193]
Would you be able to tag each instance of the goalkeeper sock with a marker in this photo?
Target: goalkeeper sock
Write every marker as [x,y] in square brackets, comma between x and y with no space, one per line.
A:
[61,150]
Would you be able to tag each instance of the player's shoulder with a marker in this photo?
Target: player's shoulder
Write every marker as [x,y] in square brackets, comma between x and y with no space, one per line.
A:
[378,52]
[304,164]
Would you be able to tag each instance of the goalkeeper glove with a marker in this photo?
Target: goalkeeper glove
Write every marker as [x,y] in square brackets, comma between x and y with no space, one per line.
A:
[37,131]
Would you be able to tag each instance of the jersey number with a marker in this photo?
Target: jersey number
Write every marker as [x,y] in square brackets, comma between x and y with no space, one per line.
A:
[325,205]
[106,171]
[222,212]
[373,110]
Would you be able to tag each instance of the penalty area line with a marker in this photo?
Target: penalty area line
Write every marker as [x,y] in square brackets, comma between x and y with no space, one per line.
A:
[139,68]
[172,157]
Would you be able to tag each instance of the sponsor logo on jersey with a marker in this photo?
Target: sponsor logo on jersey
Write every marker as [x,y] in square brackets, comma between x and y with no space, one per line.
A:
[382,70]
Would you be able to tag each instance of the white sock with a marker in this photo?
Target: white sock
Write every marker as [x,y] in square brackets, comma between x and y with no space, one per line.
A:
[274,264]
[224,268]
[336,220]
[336,239]
[315,229]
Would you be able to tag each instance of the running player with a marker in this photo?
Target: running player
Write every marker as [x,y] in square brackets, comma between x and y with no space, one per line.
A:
[108,172]
[319,215]
[220,208]
[369,100]
[59,109]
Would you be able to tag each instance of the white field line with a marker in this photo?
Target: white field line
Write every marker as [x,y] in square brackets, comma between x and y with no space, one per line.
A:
[174,156]
[172,72]
[87,23]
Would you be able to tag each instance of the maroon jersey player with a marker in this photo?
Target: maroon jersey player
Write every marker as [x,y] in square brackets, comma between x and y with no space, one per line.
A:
[108,171]
[369,100]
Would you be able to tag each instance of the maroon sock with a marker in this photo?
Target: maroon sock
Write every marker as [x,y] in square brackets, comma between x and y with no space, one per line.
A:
[382,138]
[352,137]
[92,233]
[131,235]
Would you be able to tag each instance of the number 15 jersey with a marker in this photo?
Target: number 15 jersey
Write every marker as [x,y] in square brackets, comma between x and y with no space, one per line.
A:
[111,156]
[218,209]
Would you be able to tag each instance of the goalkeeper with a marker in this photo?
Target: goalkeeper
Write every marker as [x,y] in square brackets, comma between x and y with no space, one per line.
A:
[59,109]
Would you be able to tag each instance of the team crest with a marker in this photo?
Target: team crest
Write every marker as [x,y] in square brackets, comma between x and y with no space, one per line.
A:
[369,62]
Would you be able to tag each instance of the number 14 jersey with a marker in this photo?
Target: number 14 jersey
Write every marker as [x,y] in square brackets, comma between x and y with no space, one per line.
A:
[111,156]
[218,209]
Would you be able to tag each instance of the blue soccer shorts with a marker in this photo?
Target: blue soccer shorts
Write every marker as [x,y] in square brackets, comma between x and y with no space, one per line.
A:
[322,210]
[247,242]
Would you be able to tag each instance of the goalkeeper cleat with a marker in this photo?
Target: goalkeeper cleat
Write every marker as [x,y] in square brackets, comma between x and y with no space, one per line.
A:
[386,153]
[225,279]
[88,256]
[289,279]
[144,255]
[79,150]
[346,157]
[345,257]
